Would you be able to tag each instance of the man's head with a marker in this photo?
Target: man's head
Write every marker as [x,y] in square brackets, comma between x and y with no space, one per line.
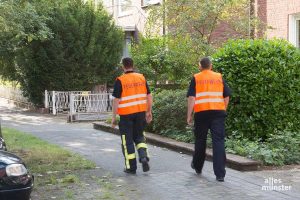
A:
[205,63]
[127,63]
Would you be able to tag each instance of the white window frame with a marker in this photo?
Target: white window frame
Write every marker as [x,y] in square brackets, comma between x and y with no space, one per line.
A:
[294,33]
[150,2]
[124,13]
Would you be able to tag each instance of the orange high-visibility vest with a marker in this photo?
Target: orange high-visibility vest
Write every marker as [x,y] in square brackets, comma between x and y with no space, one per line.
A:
[209,91]
[134,94]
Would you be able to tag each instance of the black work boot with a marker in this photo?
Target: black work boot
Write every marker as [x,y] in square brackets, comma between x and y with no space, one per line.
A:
[193,167]
[220,179]
[145,164]
[129,171]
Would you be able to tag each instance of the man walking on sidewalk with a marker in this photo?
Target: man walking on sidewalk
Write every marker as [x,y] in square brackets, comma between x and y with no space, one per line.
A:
[133,102]
[208,96]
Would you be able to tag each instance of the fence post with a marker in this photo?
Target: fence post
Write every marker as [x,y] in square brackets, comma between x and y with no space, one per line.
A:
[46,99]
[72,108]
[53,103]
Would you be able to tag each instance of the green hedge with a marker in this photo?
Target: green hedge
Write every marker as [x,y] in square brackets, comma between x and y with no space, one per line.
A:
[169,115]
[265,78]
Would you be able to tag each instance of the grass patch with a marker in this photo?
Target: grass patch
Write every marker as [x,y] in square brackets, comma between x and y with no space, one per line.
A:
[58,172]
[42,157]
[50,163]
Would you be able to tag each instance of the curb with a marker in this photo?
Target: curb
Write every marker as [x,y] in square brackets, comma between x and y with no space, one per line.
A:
[232,161]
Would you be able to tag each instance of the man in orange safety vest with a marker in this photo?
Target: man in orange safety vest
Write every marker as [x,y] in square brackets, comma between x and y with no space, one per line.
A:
[133,102]
[208,97]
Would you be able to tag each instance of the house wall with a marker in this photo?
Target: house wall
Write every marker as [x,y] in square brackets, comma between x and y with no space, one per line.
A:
[134,18]
[277,16]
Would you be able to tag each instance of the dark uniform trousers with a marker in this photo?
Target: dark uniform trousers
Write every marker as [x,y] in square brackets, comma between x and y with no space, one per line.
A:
[216,125]
[132,134]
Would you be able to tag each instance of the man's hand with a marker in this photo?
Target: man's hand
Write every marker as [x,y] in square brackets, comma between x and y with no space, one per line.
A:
[189,120]
[191,103]
[114,112]
[113,122]
[148,117]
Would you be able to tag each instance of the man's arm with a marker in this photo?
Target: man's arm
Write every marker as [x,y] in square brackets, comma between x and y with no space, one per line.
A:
[191,95]
[114,111]
[226,100]
[191,103]
[149,108]
[226,94]
[117,95]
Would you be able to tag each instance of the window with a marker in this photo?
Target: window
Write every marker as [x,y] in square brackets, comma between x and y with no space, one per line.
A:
[298,33]
[294,29]
[125,7]
[150,2]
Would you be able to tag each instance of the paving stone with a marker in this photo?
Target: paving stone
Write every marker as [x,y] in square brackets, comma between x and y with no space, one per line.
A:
[170,176]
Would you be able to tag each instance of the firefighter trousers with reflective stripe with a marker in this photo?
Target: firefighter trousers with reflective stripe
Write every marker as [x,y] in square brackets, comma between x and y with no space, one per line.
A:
[132,135]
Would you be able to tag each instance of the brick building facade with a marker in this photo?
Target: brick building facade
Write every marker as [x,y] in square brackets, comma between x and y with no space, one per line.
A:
[282,18]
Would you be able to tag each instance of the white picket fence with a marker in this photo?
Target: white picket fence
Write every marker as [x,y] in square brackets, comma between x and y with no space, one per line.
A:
[90,106]
[80,105]
[59,101]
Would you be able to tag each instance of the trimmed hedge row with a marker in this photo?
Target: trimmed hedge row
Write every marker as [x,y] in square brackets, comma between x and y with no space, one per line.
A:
[265,78]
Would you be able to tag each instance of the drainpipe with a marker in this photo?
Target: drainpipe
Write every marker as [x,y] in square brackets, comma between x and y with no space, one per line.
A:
[251,18]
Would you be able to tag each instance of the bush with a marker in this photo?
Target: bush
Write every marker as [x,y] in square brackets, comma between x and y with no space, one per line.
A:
[264,76]
[169,115]
[279,149]
[161,59]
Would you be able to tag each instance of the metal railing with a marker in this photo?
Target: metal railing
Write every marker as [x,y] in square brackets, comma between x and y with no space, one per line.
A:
[89,106]
[59,101]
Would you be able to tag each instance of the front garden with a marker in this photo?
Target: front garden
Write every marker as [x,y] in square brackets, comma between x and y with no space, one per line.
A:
[263,117]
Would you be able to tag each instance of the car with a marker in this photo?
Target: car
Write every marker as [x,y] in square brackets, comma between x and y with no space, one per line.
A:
[16,183]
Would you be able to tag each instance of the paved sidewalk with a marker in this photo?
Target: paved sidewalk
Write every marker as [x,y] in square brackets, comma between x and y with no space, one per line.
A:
[170,177]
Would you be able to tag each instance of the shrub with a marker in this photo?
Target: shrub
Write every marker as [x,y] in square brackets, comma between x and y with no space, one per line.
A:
[169,115]
[161,59]
[279,149]
[264,76]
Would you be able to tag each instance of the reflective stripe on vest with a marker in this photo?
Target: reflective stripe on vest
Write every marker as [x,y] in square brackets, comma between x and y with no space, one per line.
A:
[134,94]
[209,91]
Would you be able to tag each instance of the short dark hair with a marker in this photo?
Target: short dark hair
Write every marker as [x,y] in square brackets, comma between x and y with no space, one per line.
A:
[127,63]
[205,63]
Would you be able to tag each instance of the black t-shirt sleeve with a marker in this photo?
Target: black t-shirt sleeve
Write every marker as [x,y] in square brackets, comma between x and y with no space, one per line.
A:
[192,88]
[227,90]
[117,89]
[148,89]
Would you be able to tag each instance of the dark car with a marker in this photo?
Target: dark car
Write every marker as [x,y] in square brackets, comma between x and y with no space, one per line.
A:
[15,181]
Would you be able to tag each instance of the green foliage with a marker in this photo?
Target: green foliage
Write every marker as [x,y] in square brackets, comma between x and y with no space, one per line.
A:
[20,24]
[161,59]
[169,113]
[279,149]
[83,50]
[169,119]
[200,21]
[264,76]
[42,157]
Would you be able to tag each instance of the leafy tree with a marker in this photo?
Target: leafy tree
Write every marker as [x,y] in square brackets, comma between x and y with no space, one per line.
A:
[20,24]
[200,19]
[83,50]
[161,59]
